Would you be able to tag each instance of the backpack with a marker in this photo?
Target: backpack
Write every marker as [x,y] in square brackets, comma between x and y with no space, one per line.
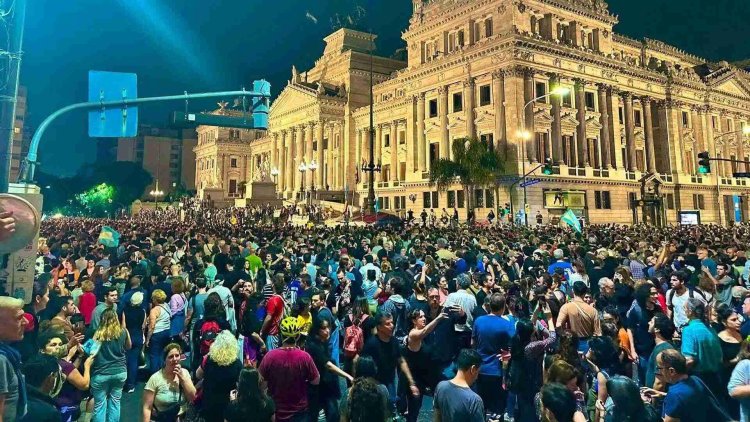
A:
[401,330]
[354,337]
[691,294]
[206,336]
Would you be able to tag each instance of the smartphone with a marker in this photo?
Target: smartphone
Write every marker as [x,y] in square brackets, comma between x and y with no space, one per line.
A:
[91,347]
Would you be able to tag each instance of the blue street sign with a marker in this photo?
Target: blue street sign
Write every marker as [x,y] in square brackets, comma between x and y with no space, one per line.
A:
[113,122]
[530,182]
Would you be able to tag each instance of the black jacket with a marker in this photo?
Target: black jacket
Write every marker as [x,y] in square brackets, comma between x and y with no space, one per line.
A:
[41,407]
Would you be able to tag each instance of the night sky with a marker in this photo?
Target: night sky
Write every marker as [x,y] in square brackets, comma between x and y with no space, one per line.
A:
[218,45]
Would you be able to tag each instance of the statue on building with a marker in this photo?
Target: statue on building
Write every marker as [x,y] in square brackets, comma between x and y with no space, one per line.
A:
[321,90]
[295,75]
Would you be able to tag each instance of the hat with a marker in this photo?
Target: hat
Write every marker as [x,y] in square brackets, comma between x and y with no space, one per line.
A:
[739,292]
[136,299]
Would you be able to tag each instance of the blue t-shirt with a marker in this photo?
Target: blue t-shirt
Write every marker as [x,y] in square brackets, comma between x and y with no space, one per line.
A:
[564,265]
[492,334]
[688,401]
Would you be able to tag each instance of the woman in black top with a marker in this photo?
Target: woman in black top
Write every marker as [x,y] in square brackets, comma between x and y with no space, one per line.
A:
[135,321]
[326,394]
[218,374]
[252,402]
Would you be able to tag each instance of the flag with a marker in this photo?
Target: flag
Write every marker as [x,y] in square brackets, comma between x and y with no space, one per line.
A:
[109,237]
[571,220]
[377,205]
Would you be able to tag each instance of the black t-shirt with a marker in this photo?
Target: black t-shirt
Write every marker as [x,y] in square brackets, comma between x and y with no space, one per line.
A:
[637,321]
[385,355]
[218,381]
[321,355]
[235,412]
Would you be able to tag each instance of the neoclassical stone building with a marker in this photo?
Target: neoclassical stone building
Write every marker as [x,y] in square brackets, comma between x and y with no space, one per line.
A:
[637,110]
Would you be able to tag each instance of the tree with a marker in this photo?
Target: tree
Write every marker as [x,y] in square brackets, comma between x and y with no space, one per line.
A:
[128,179]
[475,165]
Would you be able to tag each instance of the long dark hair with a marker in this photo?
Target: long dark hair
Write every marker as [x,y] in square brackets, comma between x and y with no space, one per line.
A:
[250,396]
[366,403]
[524,331]
[214,307]
[627,399]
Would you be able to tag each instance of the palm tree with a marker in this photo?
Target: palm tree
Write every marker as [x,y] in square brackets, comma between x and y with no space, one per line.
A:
[475,165]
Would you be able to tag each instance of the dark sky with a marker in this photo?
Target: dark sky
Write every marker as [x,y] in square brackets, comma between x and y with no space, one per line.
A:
[218,45]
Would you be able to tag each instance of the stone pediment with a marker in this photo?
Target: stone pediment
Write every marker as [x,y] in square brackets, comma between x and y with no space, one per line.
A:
[454,122]
[484,116]
[732,87]
[593,124]
[542,117]
[291,98]
[568,122]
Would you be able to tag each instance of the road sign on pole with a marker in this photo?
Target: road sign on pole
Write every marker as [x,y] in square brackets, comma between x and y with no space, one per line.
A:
[530,182]
[113,122]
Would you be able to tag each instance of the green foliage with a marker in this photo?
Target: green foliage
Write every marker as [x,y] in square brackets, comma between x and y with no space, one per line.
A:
[474,165]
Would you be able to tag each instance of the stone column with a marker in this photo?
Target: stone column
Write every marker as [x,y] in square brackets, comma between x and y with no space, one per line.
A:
[528,95]
[469,86]
[648,130]
[556,123]
[378,149]
[291,167]
[581,137]
[358,148]
[300,154]
[319,159]
[697,126]
[604,121]
[342,157]
[275,150]
[443,112]
[281,178]
[498,99]
[308,153]
[629,130]
[411,153]
[394,152]
[612,144]
[420,142]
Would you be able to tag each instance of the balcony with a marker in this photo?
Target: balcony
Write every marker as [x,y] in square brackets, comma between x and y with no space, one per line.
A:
[696,179]
[577,171]
[601,172]
[630,175]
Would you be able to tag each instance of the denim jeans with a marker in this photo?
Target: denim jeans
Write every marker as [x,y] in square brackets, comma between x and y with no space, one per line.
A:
[333,341]
[107,391]
[132,357]
[329,405]
[156,350]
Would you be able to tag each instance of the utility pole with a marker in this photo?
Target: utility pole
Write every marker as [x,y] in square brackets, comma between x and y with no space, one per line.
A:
[9,94]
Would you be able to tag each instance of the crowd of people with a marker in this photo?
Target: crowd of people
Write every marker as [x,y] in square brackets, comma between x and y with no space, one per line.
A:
[229,316]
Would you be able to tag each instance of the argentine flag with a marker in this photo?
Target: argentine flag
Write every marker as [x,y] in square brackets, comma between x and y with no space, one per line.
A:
[109,237]
[571,220]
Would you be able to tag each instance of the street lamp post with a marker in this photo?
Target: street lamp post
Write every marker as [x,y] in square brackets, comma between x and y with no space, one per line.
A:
[718,138]
[312,167]
[156,193]
[302,169]
[275,175]
[525,136]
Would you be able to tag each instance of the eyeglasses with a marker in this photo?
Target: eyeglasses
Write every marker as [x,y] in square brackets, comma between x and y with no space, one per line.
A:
[434,297]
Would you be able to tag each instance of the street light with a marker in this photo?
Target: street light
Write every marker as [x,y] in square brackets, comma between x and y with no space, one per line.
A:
[156,193]
[525,136]
[302,169]
[275,175]
[312,167]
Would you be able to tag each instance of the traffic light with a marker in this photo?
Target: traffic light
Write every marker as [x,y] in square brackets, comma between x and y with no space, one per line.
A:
[704,163]
[547,169]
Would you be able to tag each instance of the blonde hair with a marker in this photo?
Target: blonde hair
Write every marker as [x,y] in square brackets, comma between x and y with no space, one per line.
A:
[87,286]
[109,327]
[224,349]
[158,296]
[7,302]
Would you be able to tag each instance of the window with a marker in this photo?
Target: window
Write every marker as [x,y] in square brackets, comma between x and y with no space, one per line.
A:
[640,160]
[387,204]
[487,138]
[602,200]
[590,101]
[479,198]
[386,140]
[637,118]
[477,31]
[427,200]
[451,199]
[458,104]
[461,38]
[669,201]
[713,122]
[685,119]
[460,198]
[234,134]
[567,100]
[433,108]
[534,25]
[488,27]
[232,186]
[621,115]
[698,201]
[233,163]
[541,146]
[568,150]
[489,198]
[484,95]
[451,42]
[541,91]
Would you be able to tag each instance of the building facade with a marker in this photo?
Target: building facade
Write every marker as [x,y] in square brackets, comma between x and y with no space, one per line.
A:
[635,117]
[165,153]
[224,164]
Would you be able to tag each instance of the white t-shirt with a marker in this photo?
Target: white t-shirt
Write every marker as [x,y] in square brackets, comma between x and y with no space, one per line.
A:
[166,393]
[679,317]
